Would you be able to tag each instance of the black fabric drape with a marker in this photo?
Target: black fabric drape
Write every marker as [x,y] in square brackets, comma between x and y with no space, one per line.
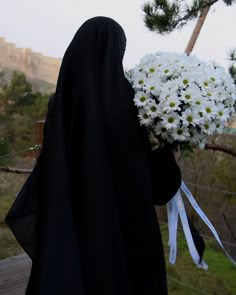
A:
[90,198]
[165,174]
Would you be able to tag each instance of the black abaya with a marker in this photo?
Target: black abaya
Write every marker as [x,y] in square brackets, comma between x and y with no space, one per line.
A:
[91,224]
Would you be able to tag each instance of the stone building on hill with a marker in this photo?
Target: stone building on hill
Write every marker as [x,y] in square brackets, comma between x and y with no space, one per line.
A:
[34,65]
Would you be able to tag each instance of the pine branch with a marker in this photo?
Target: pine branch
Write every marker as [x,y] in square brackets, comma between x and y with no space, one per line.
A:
[222,148]
[164,16]
[232,68]
[161,16]
[229,2]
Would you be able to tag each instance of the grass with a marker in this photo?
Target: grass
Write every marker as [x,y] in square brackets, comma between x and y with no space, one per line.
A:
[8,245]
[184,278]
[10,185]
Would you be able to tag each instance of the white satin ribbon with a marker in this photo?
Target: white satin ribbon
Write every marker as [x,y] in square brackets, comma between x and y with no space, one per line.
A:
[172,212]
[176,207]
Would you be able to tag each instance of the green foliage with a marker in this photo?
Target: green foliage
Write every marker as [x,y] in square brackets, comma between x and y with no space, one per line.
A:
[38,110]
[3,80]
[20,131]
[10,185]
[184,278]
[42,86]
[210,175]
[8,244]
[225,166]
[4,150]
[37,85]
[163,16]
[232,68]
[19,87]
[20,107]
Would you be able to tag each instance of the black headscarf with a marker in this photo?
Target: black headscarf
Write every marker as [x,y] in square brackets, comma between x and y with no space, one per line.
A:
[94,226]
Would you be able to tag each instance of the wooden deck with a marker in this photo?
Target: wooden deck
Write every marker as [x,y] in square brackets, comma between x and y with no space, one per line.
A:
[14,274]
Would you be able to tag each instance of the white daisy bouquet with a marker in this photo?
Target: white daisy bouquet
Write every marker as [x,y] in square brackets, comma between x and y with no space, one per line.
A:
[181,98]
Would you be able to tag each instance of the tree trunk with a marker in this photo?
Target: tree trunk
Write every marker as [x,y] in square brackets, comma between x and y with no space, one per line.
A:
[197,30]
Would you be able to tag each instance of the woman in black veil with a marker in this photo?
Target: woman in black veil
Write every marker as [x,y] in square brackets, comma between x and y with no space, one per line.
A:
[86,214]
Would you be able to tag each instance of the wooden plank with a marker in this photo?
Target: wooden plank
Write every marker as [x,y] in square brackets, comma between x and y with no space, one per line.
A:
[5,263]
[14,274]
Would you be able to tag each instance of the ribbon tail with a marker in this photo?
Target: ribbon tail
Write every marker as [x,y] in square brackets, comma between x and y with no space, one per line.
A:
[172,213]
[197,239]
[204,218]
[188,235]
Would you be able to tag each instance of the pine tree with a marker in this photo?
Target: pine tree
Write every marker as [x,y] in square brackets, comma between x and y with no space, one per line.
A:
[164,16]
[232,68]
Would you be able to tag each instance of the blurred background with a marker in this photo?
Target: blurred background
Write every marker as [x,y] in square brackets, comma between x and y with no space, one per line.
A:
[33,38]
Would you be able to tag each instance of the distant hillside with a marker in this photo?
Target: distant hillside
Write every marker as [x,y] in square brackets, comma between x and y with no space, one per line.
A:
[36,66]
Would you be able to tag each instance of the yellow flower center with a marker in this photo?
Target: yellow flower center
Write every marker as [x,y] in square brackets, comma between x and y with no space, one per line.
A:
[180,132]
[140,82]
[142,98]
[190,119]
[171,120]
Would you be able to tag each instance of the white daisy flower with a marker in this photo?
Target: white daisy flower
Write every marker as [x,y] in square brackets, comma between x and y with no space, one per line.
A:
[171,86]
[190,117]
[144,118]
[186,79]
[198,101]
[208,127]
[166,69]
[180,134]
[152,109]
[139,80]
[190,93]
[209,110]
[170,104]
[204,83]
[170,120]
[152,85]
[141,99]
[159,130]
[151,69]
[223,113]
[219,126]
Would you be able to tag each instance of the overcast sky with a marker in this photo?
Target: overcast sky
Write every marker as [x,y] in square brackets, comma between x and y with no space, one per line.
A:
[48,26]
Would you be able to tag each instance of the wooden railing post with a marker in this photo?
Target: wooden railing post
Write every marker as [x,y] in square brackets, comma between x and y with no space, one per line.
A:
[39,125]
